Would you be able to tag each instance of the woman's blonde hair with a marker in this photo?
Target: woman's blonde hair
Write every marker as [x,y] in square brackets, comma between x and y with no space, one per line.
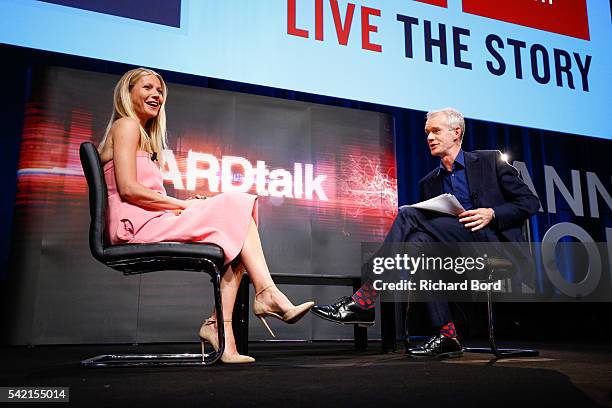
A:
[153,135]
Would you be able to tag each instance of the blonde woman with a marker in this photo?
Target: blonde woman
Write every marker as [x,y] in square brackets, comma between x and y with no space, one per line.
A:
[140,211]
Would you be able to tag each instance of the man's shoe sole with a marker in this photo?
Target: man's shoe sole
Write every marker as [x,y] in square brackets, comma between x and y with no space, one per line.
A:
[360,324]
[441,356]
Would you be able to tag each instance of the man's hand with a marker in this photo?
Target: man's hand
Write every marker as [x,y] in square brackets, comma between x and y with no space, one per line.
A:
[476,219]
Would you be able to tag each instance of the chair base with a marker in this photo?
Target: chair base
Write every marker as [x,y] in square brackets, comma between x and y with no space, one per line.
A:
[493,349]
[149,360]
[502,352]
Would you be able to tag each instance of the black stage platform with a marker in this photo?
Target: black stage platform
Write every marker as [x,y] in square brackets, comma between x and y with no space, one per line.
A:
[321,375]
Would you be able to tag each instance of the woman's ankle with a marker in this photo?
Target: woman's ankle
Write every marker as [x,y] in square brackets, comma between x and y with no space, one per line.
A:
[212,324]
[275,299]
[264,289]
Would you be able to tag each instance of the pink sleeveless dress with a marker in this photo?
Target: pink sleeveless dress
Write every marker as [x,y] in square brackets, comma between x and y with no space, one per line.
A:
[222,220]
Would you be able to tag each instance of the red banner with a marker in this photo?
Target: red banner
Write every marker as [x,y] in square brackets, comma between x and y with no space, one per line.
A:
[441,3]
[567,17]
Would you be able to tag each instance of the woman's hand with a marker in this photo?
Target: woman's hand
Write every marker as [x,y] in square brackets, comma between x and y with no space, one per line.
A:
[197,197]
[193,199]
[188,203]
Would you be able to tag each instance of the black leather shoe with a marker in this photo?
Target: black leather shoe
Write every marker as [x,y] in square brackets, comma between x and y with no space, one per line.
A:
[345,311]
[438,347]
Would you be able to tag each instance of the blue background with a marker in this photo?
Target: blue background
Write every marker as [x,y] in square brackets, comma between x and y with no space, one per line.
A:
[248,42]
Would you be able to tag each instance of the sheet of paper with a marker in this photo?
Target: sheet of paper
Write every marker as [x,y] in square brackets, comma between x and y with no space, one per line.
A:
[444,203]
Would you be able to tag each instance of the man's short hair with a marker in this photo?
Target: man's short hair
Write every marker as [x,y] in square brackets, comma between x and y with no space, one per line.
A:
[454,117]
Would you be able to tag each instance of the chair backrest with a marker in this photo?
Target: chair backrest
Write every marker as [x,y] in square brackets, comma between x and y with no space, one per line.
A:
[98,199]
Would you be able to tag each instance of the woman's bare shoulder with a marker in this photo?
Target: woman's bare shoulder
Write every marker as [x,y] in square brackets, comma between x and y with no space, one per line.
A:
[122,130]
[126,124]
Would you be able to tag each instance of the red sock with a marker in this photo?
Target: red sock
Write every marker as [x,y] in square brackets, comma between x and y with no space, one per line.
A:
[448,330]
[365,297]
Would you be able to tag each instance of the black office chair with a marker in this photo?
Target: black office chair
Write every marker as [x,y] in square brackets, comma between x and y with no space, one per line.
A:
[134,259]
[498,267]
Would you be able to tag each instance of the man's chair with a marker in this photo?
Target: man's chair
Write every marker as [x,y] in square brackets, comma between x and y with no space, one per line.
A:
[134,259]
[496,268]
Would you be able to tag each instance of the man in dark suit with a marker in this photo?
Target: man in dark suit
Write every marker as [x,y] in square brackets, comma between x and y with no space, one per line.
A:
[496,202]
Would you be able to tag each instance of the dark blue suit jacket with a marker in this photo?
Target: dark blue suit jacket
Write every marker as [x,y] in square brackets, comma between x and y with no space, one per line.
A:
[493,183]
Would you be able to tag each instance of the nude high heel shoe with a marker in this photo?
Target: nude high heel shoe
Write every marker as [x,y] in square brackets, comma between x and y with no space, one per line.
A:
[290,316]
[211,337]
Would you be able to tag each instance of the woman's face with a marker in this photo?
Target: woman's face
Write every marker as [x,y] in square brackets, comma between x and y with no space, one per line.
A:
[147,97]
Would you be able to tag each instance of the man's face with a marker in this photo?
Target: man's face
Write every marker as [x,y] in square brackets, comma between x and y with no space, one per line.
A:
[441,139]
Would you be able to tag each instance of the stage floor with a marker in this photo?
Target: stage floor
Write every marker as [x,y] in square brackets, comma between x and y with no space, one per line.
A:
[322,375]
